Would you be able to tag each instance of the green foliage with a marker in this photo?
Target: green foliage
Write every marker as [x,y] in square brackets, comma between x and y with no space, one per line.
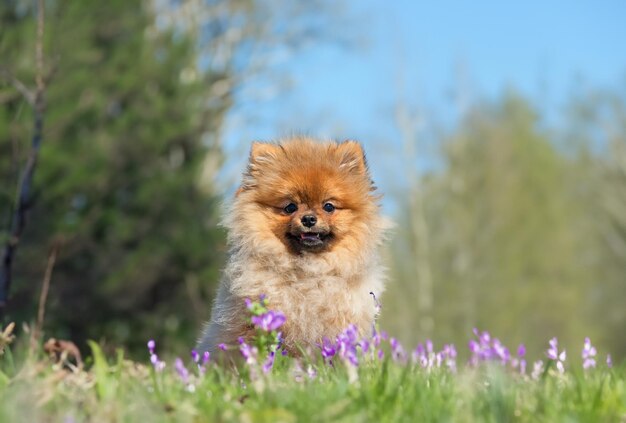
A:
[510,235]
[106,377]
[117,182]
[598,124]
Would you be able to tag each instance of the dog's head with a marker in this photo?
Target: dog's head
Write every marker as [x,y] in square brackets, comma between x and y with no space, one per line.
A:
[309,196]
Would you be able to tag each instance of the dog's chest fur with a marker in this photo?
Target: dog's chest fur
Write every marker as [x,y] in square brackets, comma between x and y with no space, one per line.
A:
[319,296]
[316,304]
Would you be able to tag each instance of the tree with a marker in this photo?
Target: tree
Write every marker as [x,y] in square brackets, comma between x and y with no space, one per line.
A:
[500,214]
[598,126]
[118,176]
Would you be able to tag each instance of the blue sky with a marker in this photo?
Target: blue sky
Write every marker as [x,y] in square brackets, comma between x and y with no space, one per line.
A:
[438,57]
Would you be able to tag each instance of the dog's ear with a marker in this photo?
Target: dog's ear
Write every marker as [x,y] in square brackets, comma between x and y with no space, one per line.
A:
[262,151]
[352,157]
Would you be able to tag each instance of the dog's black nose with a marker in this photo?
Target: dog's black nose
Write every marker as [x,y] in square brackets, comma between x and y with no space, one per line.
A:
[308,220]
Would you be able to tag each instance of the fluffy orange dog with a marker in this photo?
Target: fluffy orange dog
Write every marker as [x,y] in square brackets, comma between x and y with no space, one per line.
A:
[304,229]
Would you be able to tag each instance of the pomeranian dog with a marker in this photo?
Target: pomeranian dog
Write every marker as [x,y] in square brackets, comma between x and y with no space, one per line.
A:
[304,230]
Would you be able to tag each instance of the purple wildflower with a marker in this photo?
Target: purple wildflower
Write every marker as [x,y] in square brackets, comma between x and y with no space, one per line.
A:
[380,354]
[347,342]
[483,337]
[328,348]
[450,350]
[588,354]
[609,362]
[222,346]
[154,358]
[365,345]
[482,349]
[427,358]
[500,351]
[181,369]
[522,366]
[269,321]
[449,355]
[394,343]
[397,352]
[473,346]
[248,352]
[349,336]
[419,350]
[553,354]
[559,364]
[487,348]
[418,356]
[269,362]
[520,361]
[438,359]
[553,351]
[377,338]
[429,347]
[206,357]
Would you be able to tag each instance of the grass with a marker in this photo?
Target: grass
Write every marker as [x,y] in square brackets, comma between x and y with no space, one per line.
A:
[37,389]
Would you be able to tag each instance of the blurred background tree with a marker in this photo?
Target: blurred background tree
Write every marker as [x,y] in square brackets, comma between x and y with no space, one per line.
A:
[117,178]
[598,126]
[501,217]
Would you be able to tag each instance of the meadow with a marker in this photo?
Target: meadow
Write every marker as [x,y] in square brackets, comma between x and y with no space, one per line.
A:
[350,378]
[496,134]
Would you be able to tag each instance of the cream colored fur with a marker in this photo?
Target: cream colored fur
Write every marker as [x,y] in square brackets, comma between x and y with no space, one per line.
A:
[320,293]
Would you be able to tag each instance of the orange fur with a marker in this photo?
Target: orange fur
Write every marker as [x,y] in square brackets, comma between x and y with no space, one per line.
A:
[319,277]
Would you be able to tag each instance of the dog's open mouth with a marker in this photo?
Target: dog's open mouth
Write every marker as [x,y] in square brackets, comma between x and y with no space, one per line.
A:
[310,240]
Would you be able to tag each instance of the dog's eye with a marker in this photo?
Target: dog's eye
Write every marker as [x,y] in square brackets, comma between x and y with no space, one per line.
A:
[290,208]
[328,207]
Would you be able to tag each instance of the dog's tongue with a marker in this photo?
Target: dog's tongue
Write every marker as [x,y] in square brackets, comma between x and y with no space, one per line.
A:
[309,235]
